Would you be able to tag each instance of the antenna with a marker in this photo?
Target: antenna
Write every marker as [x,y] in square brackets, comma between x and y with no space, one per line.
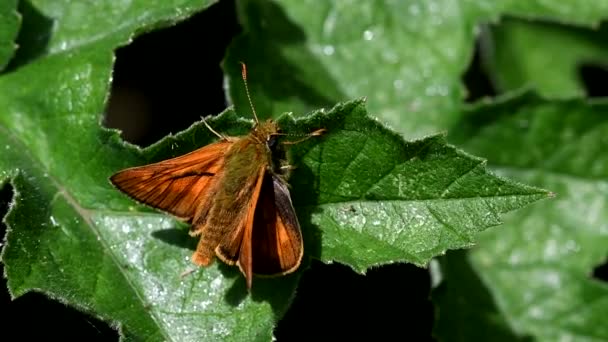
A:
[244,74]
[221,136]
[316,133]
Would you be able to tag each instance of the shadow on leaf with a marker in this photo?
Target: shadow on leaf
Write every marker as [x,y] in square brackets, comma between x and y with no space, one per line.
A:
[463,298]
[277,291]
[176,237]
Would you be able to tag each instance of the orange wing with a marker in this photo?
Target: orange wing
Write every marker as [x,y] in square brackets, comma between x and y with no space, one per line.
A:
[235,247]
[175,185]
[277,239]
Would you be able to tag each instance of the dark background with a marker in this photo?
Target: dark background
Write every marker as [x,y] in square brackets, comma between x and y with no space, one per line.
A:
[166,80]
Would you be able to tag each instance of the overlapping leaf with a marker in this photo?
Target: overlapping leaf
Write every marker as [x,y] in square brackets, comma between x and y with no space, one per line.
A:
[378,199]
[539,271]
[406,57]
[545,56]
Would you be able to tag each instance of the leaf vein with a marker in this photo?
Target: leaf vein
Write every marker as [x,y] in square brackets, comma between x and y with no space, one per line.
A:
[455,181]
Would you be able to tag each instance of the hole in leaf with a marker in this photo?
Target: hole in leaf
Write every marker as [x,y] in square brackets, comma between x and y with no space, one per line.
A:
[333,302]
[601,272]
[475,78]
[593,77]
[167,79]
[53,320]
[34,35]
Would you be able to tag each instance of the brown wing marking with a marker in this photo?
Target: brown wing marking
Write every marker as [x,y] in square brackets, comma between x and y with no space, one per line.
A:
[277,239]
[235,244]
[175,185]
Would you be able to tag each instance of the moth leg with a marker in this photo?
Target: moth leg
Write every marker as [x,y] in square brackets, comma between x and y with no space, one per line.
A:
[284,171]
[187,273]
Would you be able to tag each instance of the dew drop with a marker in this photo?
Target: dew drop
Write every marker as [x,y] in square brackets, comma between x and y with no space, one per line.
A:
[125,228]
[414,9]
[328,50]
[53,221]
[398,84]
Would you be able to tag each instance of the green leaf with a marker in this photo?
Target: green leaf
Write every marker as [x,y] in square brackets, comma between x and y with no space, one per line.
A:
[537,270]
[136,254]
[75,238]
[63,27]
[406,57]
[66,237]
[378,199]
[9,27]
[532,54]
[363,195]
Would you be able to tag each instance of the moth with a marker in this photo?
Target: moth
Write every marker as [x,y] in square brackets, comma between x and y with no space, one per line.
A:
[235,195]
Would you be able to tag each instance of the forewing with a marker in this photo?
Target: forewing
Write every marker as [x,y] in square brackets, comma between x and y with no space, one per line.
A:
[277,239]
[175,185]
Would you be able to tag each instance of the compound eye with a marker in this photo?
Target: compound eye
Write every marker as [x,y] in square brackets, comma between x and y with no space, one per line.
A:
[272,141]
